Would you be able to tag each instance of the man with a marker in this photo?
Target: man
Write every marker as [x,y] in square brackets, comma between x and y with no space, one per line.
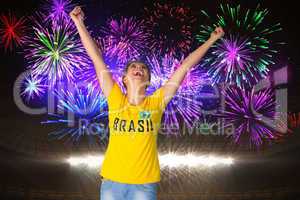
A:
[131,168]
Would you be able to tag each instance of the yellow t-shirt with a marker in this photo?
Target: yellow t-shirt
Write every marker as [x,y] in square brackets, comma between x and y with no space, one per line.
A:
[131,156]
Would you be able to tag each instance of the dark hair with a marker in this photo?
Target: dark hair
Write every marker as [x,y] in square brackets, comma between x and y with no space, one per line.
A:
[136,61]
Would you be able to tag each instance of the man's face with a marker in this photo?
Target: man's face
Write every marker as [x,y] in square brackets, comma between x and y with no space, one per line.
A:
[137,71]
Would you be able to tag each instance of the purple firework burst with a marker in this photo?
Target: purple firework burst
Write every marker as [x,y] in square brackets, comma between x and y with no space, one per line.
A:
[184,105]
[58,10]
[125,39]
[172,28]
[249,113]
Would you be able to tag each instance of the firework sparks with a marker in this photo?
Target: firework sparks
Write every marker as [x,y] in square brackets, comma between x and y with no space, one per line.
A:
[33,87]
[245,54]
[171,28]
[125,39]
[86,114]
[58,10]
[12,31]
[55,52]
[184,103]
[247,110]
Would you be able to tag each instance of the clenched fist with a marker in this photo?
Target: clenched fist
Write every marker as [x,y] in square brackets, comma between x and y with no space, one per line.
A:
[77,14]
[217,34]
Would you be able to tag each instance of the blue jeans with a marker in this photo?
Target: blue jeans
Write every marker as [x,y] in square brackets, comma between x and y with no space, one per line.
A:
[111,190]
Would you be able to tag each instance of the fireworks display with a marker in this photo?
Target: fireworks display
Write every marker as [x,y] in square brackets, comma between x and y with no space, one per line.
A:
[184,103]
[172,28]
[33,87]
[55,52]
[247,51]
[161,37]
[58,10]
[83,111]
[247,110]
[125,39]
[12,31]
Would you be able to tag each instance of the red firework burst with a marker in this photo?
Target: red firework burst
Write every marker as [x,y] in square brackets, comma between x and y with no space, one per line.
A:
[12,31]
[172,28]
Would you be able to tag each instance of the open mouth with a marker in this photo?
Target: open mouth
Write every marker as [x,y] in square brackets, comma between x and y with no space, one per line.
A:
[138,74]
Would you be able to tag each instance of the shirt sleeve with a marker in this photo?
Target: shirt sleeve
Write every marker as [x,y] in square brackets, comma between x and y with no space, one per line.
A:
[159,99]
[115,97]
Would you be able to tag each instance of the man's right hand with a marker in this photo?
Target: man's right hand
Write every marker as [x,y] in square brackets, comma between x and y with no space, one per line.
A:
[77,15]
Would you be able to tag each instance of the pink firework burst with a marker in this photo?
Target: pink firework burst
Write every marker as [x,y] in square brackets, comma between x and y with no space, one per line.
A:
[12,31]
